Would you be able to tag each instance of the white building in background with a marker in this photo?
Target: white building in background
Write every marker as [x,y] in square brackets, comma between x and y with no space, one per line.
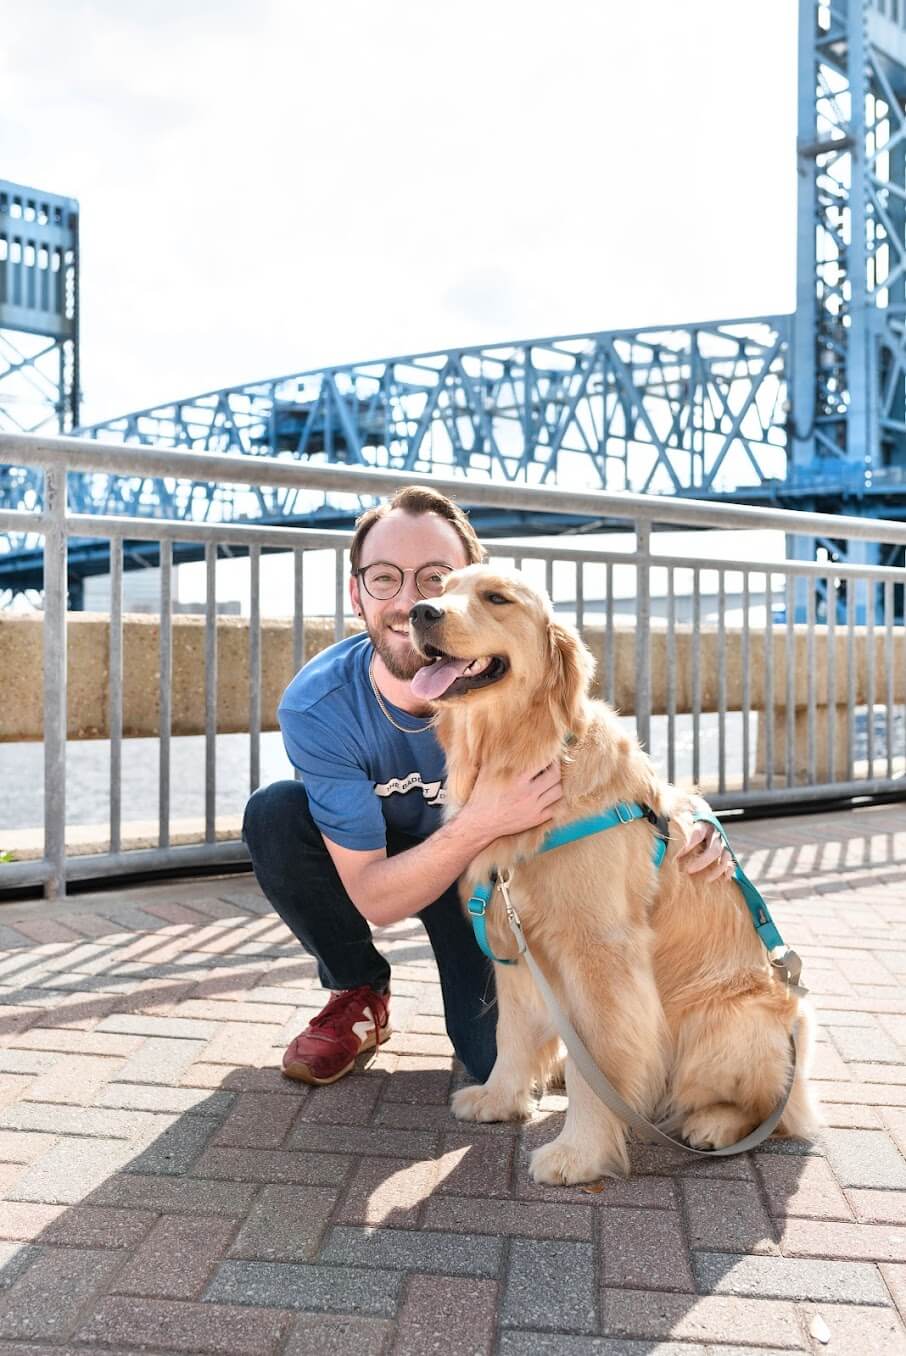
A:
[141,593]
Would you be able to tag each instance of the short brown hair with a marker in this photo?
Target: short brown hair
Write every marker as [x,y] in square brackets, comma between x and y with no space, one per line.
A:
[418,499]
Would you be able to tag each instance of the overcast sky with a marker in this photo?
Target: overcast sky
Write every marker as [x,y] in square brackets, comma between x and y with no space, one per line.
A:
[277,185]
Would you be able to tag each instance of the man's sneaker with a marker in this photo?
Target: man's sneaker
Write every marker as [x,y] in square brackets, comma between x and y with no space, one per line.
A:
[354,1020]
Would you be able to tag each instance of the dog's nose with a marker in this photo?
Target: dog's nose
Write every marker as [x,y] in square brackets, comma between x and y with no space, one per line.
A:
[425,614]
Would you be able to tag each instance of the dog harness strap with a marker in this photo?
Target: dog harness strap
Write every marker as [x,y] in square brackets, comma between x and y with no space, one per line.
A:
[785,961]
[478,907]
[624,813]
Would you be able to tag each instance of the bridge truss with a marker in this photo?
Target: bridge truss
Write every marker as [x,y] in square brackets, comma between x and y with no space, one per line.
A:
[684,410]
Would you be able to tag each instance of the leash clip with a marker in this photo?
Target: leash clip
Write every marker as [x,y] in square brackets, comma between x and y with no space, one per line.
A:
[504,880]
[789,966]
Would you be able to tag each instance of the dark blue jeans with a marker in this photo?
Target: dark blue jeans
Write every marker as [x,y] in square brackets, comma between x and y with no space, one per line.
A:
[295,871]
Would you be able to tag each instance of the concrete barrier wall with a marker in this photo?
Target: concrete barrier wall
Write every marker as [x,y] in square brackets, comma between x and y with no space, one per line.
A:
[21,716]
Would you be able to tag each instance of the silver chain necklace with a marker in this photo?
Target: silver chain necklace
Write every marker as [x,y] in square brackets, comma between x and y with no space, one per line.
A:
[403,729]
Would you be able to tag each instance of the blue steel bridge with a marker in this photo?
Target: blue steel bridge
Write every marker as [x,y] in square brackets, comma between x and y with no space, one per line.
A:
[645,410]
[806,410]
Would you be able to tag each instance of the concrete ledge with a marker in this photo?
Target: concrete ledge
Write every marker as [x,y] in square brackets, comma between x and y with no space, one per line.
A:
[88,670]
[21,714]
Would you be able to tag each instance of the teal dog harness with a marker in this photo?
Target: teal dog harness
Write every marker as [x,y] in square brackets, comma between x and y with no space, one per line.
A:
[785,962]
[624,813]
[781,958]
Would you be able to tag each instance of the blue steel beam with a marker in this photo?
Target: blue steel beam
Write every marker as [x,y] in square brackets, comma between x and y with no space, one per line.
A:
[39,310]
[685,409]
[849,348]
[662,407]
[22,570]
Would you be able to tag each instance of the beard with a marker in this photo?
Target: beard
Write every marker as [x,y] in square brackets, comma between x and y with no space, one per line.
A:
[402,663]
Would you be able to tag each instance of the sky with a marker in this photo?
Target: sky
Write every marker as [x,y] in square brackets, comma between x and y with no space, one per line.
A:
[280,184]
[276,185]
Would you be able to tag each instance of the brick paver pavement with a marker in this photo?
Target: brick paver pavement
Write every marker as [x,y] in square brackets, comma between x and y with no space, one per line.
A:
[164,1190]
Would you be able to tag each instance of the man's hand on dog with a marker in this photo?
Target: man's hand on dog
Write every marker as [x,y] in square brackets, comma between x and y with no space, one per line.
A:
[704,851]
[528,803]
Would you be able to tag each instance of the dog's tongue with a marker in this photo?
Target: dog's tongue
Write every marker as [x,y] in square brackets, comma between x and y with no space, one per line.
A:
[435,678]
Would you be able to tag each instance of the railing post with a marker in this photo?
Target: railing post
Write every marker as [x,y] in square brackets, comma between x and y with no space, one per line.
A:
[55,583]
[210,694]
[165,699]
[643,636]
[115,718]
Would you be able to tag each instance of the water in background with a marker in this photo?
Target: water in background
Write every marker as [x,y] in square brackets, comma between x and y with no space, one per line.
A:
[88,772]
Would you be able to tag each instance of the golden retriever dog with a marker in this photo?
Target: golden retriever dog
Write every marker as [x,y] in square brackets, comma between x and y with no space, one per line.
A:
[663,976]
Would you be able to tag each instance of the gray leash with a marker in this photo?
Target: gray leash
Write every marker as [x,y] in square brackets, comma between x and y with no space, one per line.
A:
[600,1084]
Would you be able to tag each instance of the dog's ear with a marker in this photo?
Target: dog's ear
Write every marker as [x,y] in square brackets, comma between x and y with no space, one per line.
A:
[570,667]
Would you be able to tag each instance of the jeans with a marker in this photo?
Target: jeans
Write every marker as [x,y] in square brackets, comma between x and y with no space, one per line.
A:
[300,881]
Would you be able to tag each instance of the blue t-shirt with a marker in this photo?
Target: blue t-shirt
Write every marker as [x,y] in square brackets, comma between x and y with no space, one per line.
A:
[361,774]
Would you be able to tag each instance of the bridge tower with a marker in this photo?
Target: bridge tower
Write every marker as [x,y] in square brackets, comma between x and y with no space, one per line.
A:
[847,423]
[39,311]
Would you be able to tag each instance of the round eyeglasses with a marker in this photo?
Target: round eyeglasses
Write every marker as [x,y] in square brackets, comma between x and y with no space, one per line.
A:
[384,581]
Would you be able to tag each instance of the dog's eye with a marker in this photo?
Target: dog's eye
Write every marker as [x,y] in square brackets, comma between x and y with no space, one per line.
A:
[497,599]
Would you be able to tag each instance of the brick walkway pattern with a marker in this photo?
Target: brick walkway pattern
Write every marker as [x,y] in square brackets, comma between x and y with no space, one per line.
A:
[165,1190]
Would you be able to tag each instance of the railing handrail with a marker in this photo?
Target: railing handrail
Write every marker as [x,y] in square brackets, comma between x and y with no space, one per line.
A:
[119,528]
[78,454]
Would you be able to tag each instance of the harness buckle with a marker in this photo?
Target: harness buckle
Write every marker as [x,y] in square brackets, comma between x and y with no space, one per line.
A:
[624,813]
[477,906]
[789,966]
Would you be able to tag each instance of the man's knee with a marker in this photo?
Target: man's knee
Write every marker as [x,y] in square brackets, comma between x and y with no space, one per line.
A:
[272,811]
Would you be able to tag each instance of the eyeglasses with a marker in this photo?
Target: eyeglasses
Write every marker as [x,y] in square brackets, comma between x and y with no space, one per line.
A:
[382,580]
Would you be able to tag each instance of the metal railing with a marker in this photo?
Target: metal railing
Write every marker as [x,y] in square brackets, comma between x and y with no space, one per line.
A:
[818,650]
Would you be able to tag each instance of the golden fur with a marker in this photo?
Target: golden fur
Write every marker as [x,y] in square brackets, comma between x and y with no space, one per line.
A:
[663,976]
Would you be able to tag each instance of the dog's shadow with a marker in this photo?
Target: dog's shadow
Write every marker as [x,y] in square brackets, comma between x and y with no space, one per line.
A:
[671,1240]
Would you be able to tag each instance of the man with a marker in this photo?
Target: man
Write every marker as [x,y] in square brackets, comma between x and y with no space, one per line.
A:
[360,840]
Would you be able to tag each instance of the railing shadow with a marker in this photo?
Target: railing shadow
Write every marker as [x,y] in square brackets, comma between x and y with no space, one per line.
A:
[855,853]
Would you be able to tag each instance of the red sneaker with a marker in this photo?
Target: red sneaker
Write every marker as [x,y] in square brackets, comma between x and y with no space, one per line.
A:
[354,1020]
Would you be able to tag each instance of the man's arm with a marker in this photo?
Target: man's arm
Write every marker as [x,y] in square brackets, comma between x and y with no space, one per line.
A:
[385,889]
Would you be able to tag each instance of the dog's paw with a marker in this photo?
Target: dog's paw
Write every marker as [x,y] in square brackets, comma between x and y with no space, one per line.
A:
[714,1127]
[562,1164]
[479,1103]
